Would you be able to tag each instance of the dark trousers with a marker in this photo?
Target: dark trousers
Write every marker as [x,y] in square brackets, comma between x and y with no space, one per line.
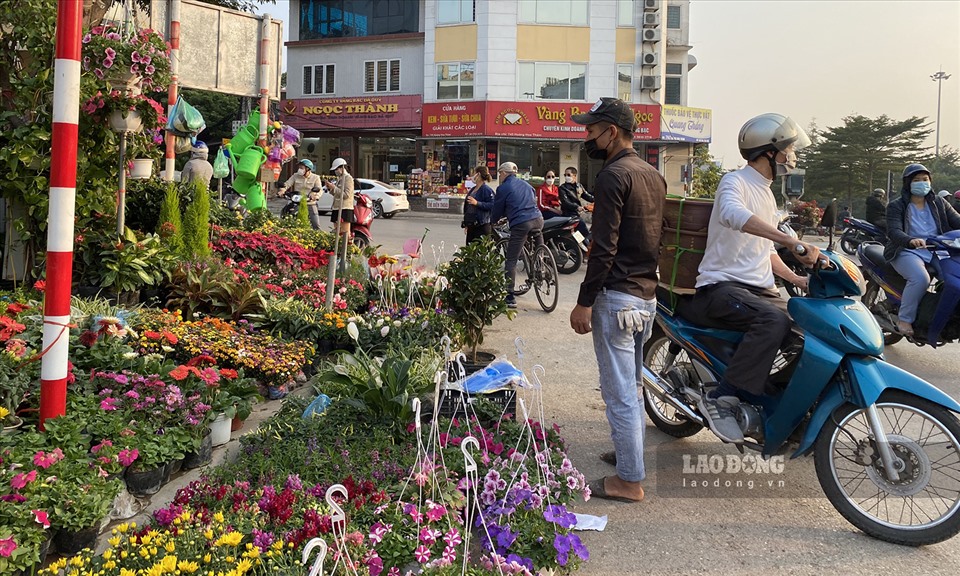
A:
[760,313]
[518,235]
[478,231]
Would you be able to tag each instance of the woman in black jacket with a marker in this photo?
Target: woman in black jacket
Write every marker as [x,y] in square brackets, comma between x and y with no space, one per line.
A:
[477,206]
[912,218]
[570,192]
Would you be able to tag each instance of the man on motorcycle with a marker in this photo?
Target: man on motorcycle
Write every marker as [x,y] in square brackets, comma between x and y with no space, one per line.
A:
[735,288]
[305,181]
[877,209]
[570,193]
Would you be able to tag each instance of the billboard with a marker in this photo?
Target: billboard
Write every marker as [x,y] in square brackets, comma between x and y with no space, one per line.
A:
[525,119]
[683,124]
[220,48]
[367,112]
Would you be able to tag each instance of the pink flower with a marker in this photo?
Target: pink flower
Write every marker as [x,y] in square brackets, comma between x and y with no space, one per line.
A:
[104,444]
[135,56]
[44,460]
[435,511]
[8,545]
[86,39]
[150,69]
[108,63]
[112,36]
[111,53]
[108,404]
[449,554]
[428,536]
[21,479]
[209,375]
[127,456]
[452,538]
[377,532]
[41,517]
[422,554]
[98,73]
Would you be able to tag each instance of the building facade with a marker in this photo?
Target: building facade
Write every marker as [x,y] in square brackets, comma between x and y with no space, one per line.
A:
[444,85]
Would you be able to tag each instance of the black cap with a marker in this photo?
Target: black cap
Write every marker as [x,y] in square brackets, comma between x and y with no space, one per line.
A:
[612,110]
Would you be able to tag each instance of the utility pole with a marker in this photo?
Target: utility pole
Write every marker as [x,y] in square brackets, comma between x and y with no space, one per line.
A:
[939,77]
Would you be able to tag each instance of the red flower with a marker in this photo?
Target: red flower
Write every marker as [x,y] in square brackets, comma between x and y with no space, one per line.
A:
[202,359]
[15,308]
[88,338]
[181,372]
[40,285]
[228,373]
[152,335]
[170,336]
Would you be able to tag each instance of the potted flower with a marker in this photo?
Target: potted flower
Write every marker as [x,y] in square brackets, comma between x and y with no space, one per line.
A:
[24,538]
[475,292]
[80,500]
[127,57]
[125,111]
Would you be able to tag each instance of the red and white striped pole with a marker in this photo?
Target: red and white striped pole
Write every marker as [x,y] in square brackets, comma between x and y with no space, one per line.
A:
[171,140]
[63,195]
[264,77]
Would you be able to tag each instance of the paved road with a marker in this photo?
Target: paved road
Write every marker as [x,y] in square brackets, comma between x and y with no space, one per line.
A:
[789,528]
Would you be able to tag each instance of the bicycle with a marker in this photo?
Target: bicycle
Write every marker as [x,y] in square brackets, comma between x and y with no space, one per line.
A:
[537,264]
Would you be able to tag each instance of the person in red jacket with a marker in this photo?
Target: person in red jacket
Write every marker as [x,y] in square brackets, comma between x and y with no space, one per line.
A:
[548,197]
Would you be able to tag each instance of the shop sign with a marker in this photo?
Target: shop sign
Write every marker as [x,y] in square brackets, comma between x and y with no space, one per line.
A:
[453,119]
[352,113]
[554,120]
[438,203]
[682,124]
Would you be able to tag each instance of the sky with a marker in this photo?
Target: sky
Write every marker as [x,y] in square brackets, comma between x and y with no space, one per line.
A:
[817,61]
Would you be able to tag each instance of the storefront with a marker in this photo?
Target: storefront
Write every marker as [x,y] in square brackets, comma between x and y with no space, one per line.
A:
[681,129]
[377,135]
[536,136]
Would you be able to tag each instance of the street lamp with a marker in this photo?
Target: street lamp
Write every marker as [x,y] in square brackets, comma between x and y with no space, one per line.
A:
[939,77]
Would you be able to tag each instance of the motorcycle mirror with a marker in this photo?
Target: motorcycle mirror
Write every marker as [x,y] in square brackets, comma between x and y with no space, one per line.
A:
[829,217]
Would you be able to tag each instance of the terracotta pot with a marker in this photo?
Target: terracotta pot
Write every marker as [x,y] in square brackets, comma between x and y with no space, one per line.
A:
[72,542]
[236,424]
[145,482]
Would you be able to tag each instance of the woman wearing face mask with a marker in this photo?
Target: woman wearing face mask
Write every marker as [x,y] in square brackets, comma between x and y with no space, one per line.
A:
[548,196]
[477,206]
[570,193]
[342,191]
[912,218]
[306,182]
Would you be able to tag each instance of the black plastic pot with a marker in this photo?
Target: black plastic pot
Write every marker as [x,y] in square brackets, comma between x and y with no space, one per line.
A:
[145,482]
[70,542]
[202,456]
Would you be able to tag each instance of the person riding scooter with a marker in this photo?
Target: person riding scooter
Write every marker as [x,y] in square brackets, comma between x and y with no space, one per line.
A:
[735,288]
[305,181]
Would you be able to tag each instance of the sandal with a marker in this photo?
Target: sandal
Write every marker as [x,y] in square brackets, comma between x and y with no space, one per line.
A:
[905,328]
[599,490]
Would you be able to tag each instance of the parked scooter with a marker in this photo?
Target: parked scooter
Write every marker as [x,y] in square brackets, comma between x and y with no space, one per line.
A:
[857,232]
[938,321]
[363,214]
[560,234]
[886,444]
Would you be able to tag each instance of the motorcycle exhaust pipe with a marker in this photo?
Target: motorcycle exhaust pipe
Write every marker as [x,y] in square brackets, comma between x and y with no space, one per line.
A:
[663,391]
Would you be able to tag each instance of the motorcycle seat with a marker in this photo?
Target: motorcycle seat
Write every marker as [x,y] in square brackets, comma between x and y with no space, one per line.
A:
[557,222]
[874,253]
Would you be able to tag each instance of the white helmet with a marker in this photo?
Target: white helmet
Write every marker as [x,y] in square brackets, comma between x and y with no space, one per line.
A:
[338,162]
[770,132]
[943,193]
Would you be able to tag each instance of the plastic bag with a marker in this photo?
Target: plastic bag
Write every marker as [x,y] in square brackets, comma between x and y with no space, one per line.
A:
[183,144]
[221,169]
[185,120]
[317,407]
[498,374]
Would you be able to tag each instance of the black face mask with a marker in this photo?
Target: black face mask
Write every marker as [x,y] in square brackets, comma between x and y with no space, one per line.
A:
[594,151]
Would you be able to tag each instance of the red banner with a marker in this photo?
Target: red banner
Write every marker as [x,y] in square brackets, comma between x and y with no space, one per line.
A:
[544,120]
[352,113]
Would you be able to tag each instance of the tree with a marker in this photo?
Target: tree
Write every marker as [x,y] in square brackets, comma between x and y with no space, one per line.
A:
[946,169]
[219,111]
[850,160]
[706,173]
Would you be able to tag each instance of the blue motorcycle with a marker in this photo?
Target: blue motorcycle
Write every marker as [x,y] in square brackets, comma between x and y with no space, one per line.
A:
[937,319]
[886,444]
[857,232]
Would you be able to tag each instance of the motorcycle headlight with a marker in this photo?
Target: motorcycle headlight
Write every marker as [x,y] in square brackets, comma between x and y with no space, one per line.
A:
[852,270]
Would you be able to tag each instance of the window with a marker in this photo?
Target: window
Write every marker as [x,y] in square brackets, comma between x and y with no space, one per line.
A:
[554,12]
[672,92]
[673,17]
[674,69]
[357,18]
[552,81]
[625,13]
[455,80]
[625,82]
[381,76]
[454,11]
[318,79]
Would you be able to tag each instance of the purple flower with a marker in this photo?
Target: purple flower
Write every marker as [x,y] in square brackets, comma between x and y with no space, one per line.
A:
[293,483]
[558,514]
[111,53]
[262,540]
[112,36]
[86,39]
[108,62]
[506,538]
[135,56]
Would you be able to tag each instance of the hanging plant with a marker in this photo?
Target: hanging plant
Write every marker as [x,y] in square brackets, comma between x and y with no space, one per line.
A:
[113,55]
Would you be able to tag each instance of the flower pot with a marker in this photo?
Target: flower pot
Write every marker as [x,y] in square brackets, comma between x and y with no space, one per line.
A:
[45,549]
[145,482]
[220,430]
[11,424]
[202,457]
[141,169]
[72,542]
[236,424]
[125,121]
[176,466]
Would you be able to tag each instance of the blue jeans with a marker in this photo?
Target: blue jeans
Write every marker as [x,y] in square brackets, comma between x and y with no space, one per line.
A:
[620,362]
[913,269]
[518,235]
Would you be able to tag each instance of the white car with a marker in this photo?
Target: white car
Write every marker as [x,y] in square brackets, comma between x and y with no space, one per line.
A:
[387,200]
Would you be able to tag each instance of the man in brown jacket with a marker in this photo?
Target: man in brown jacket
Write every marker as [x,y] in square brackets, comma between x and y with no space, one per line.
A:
[617,297]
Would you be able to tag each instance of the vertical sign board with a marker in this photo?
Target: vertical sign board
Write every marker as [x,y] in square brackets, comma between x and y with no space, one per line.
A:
[491,156]
[653,156]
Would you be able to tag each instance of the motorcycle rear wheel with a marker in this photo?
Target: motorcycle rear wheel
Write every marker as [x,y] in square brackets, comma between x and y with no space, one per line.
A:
[849,242]
[872,297]
[567,253]
[664,417]
[923,506]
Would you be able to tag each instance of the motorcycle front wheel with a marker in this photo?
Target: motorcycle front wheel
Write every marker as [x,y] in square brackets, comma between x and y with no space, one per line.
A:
[657,357]
[289,210]
[567,253]
[849,241]
[920,507]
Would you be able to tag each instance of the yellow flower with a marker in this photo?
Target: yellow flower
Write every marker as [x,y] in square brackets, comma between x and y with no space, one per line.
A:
[218,517]
[229,539]
[243,566]
[114,541]
[206,558]
[169,563]
[170,546]
[3,412]
[107,554]
[188,567]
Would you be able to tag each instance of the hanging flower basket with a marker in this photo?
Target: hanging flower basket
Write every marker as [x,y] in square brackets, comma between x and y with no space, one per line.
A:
[141,169]
[126,121]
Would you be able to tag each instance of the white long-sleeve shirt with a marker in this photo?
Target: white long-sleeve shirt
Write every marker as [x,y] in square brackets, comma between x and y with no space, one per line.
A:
[733,255]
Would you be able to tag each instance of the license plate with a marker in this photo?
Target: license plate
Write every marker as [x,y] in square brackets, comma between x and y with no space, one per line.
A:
[578,235]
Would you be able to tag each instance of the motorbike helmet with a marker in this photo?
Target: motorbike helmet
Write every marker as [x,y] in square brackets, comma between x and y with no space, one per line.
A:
[912,170]
[943,193]
[957,194]
[308,164]
[879,192]
[337,162]
[770,132]
[199,150]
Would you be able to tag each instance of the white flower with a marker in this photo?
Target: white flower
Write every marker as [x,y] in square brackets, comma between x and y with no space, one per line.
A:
[130,355]
[167,349]
[353,331]
[396,323]
[384,331]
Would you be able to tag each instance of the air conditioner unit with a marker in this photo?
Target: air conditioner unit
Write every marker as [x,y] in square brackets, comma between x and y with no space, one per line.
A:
[651,35]
[651,20]
[650,59]
[650,83]
[651,5]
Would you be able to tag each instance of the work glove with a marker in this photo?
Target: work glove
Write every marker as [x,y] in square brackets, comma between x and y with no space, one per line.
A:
[633,320]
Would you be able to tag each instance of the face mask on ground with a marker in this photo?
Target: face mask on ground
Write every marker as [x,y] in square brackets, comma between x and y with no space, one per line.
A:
[550,181]
[921,188]
[568,179]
